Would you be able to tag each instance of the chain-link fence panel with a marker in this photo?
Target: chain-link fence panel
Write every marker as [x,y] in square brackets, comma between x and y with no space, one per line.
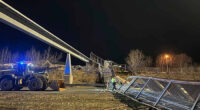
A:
[162,93]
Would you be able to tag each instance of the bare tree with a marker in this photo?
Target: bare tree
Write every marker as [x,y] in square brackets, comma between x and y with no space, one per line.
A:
[48,55]
[39,58]
[182,60]
[148,61]
[34,56]
[160,61]
[135,60]
[7,57]
[15,57]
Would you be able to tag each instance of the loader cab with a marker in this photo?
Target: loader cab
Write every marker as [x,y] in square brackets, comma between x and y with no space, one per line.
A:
[24,68]
[21,68]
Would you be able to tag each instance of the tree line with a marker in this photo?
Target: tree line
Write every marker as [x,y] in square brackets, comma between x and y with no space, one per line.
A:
[32,55]
[137,61]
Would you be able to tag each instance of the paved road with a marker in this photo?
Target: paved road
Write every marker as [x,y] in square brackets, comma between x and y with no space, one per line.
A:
[73,98]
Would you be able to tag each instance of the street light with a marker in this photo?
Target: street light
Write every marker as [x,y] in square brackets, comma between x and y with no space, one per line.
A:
[166,56]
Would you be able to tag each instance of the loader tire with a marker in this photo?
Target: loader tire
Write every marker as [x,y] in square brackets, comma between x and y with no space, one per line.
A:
[35,84]
[7,84]
[45,83]
[54,85]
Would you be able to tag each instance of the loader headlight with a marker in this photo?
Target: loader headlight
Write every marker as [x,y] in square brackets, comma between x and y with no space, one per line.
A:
[13,75]
[30,64]
[20,81]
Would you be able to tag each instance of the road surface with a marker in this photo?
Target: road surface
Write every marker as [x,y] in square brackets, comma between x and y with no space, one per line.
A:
[73,98]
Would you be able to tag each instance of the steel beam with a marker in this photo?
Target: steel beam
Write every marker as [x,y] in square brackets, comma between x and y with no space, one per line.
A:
[121,86]
[161,95]
[15,19]
[143,87]
[196,101]
[135,78]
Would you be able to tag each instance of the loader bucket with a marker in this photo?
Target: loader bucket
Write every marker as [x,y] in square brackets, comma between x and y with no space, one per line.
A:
[61,85]
[57,85]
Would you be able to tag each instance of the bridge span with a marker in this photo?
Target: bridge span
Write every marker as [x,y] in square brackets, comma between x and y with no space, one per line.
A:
[17,20]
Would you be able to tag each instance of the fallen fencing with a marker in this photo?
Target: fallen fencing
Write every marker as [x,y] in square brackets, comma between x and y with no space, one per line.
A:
[161,93]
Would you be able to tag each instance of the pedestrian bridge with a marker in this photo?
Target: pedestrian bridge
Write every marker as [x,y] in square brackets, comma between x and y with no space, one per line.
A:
[17,20]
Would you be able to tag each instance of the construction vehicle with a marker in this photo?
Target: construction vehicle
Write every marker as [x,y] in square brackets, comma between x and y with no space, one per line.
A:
[24,75]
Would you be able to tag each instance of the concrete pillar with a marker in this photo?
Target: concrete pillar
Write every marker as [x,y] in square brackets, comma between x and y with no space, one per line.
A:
[68,77]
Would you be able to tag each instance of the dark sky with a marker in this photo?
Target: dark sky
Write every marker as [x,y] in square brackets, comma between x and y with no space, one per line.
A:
[111,28]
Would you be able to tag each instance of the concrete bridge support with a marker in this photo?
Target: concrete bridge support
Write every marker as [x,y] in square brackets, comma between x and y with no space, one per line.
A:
[68,77]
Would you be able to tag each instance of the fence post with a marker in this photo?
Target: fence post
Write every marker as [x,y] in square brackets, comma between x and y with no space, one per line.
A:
[121,86]
[161,95]
[196,101]
[135,78]
[143,87]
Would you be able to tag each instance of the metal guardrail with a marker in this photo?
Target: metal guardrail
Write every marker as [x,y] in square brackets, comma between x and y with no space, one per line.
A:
[162,93]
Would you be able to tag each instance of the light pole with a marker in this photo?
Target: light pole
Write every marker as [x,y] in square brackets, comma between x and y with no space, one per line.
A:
[166,59]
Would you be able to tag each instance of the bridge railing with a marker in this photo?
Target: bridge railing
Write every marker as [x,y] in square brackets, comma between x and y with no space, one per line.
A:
[162,93]
[96,59]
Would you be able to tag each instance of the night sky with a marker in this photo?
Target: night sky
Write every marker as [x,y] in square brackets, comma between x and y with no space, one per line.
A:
[111,28]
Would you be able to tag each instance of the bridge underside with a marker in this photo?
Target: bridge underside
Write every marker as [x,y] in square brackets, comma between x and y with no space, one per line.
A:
[15,19]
